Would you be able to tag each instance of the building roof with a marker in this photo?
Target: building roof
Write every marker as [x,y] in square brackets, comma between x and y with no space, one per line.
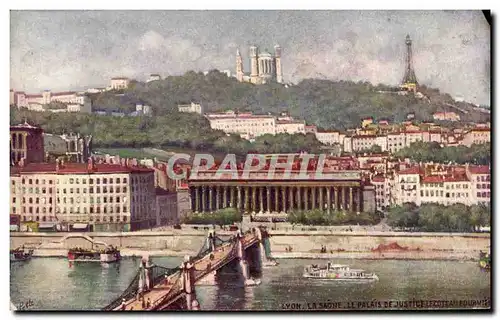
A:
[78,168]
[25,126]
[411,170]
[479,169]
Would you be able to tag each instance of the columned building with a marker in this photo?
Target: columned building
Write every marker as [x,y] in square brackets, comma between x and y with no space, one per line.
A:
[259,194]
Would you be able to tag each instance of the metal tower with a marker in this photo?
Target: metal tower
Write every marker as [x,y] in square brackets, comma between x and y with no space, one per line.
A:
[409,79]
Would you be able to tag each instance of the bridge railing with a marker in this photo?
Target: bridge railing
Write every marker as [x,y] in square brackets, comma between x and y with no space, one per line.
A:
[128,294]
[175,289]
[157,274]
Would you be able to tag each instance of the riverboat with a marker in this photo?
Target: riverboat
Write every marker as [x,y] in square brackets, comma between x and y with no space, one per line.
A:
[106,255]
[337,272]
[484,260]
[20,254]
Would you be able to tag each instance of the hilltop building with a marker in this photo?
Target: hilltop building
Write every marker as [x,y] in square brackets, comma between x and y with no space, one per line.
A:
[264,67]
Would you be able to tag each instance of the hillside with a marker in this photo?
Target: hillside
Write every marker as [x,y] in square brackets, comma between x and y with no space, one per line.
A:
[328,104]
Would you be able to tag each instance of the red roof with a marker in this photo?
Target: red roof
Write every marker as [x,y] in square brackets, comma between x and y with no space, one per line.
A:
[479,169]
[378,179]
[480,129]
[412,170]
[78,168]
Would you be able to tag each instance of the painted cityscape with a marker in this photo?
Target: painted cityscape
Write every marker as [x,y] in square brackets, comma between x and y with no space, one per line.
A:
[250,160]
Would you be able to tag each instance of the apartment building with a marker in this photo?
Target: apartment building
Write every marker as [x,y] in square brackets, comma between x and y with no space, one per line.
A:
[101,197]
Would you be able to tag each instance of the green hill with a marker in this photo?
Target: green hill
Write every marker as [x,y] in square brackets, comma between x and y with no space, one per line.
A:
[328,104]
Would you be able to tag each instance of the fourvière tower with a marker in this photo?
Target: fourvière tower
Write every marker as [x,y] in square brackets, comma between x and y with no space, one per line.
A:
[264,67]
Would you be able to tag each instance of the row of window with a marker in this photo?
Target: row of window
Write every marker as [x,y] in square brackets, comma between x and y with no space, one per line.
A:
[106,189]
[71,200]
[483,178]
[97,219]
[75,181]
[483,186]
[76,210]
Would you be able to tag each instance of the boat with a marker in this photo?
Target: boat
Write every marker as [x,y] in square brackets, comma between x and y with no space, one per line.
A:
[107,255]
[337,272]
[19,254]
[484,260]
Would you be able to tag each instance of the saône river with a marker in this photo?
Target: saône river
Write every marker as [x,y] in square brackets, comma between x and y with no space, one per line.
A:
[51,284]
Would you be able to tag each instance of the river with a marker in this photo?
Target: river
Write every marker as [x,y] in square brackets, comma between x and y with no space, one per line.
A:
[51,284]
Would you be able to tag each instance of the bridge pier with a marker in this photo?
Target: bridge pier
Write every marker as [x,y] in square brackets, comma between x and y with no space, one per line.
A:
[243,263]
[265,260]
[188,279]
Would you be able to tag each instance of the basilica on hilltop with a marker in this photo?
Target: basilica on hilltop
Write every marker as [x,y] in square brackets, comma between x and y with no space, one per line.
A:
[264,67]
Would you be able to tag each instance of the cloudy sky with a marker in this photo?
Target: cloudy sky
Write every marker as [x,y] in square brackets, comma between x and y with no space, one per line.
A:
[61,50]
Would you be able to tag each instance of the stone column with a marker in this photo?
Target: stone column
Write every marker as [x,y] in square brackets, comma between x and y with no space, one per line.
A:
[231,197]
[239,198]
[283,198]
[314,204]
[360,206]
[329,200]
[321,199]
[247,198]
[351,206]
[203,198]
[261,199]
[306,198]
[25,145]
[224,196]
[196,200]
[336,195]
[299,198]
[290,199]
[276,199]
[210,199]
[343,201]
[268,199]
[217,197]
[254,199]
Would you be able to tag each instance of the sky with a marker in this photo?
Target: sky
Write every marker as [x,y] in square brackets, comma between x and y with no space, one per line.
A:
[74,50]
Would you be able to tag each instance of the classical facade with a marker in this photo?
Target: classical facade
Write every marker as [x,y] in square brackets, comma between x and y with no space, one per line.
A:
[119,83]
[264,67]
[26,142]
[259,194]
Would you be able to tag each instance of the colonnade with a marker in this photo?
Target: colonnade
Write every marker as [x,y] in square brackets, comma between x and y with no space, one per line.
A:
[276,198]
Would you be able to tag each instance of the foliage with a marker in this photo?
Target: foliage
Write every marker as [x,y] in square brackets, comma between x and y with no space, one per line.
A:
[439,218]
[319,217]
[426,152]
[325,103]
[173,129]
[221,217]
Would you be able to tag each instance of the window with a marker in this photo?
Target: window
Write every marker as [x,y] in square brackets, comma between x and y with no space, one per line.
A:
[124,180]
[71,180]
[124,218]
[104,180]
[14,200]
[97,189]
[71,190]
[117,180]
[30,181]
[110,180]
[84,181]
[91,189]
[30,200]
[124,189]
[91,181]
[124,209]
[98,181]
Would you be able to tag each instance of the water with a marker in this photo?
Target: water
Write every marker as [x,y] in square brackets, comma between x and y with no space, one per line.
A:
[51,284]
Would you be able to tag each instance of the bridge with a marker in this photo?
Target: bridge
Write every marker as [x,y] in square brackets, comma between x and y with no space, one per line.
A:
[160,288]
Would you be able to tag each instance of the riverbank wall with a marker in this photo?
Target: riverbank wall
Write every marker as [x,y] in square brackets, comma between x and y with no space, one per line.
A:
[303,244]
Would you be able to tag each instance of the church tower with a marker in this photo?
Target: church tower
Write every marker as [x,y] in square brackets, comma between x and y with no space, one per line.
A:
[254,69]
[239,66]
[277,62]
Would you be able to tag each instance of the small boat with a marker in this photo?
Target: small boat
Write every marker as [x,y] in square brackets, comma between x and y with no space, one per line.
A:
[19,254]
[107,255]
[337,272]
[484,260]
